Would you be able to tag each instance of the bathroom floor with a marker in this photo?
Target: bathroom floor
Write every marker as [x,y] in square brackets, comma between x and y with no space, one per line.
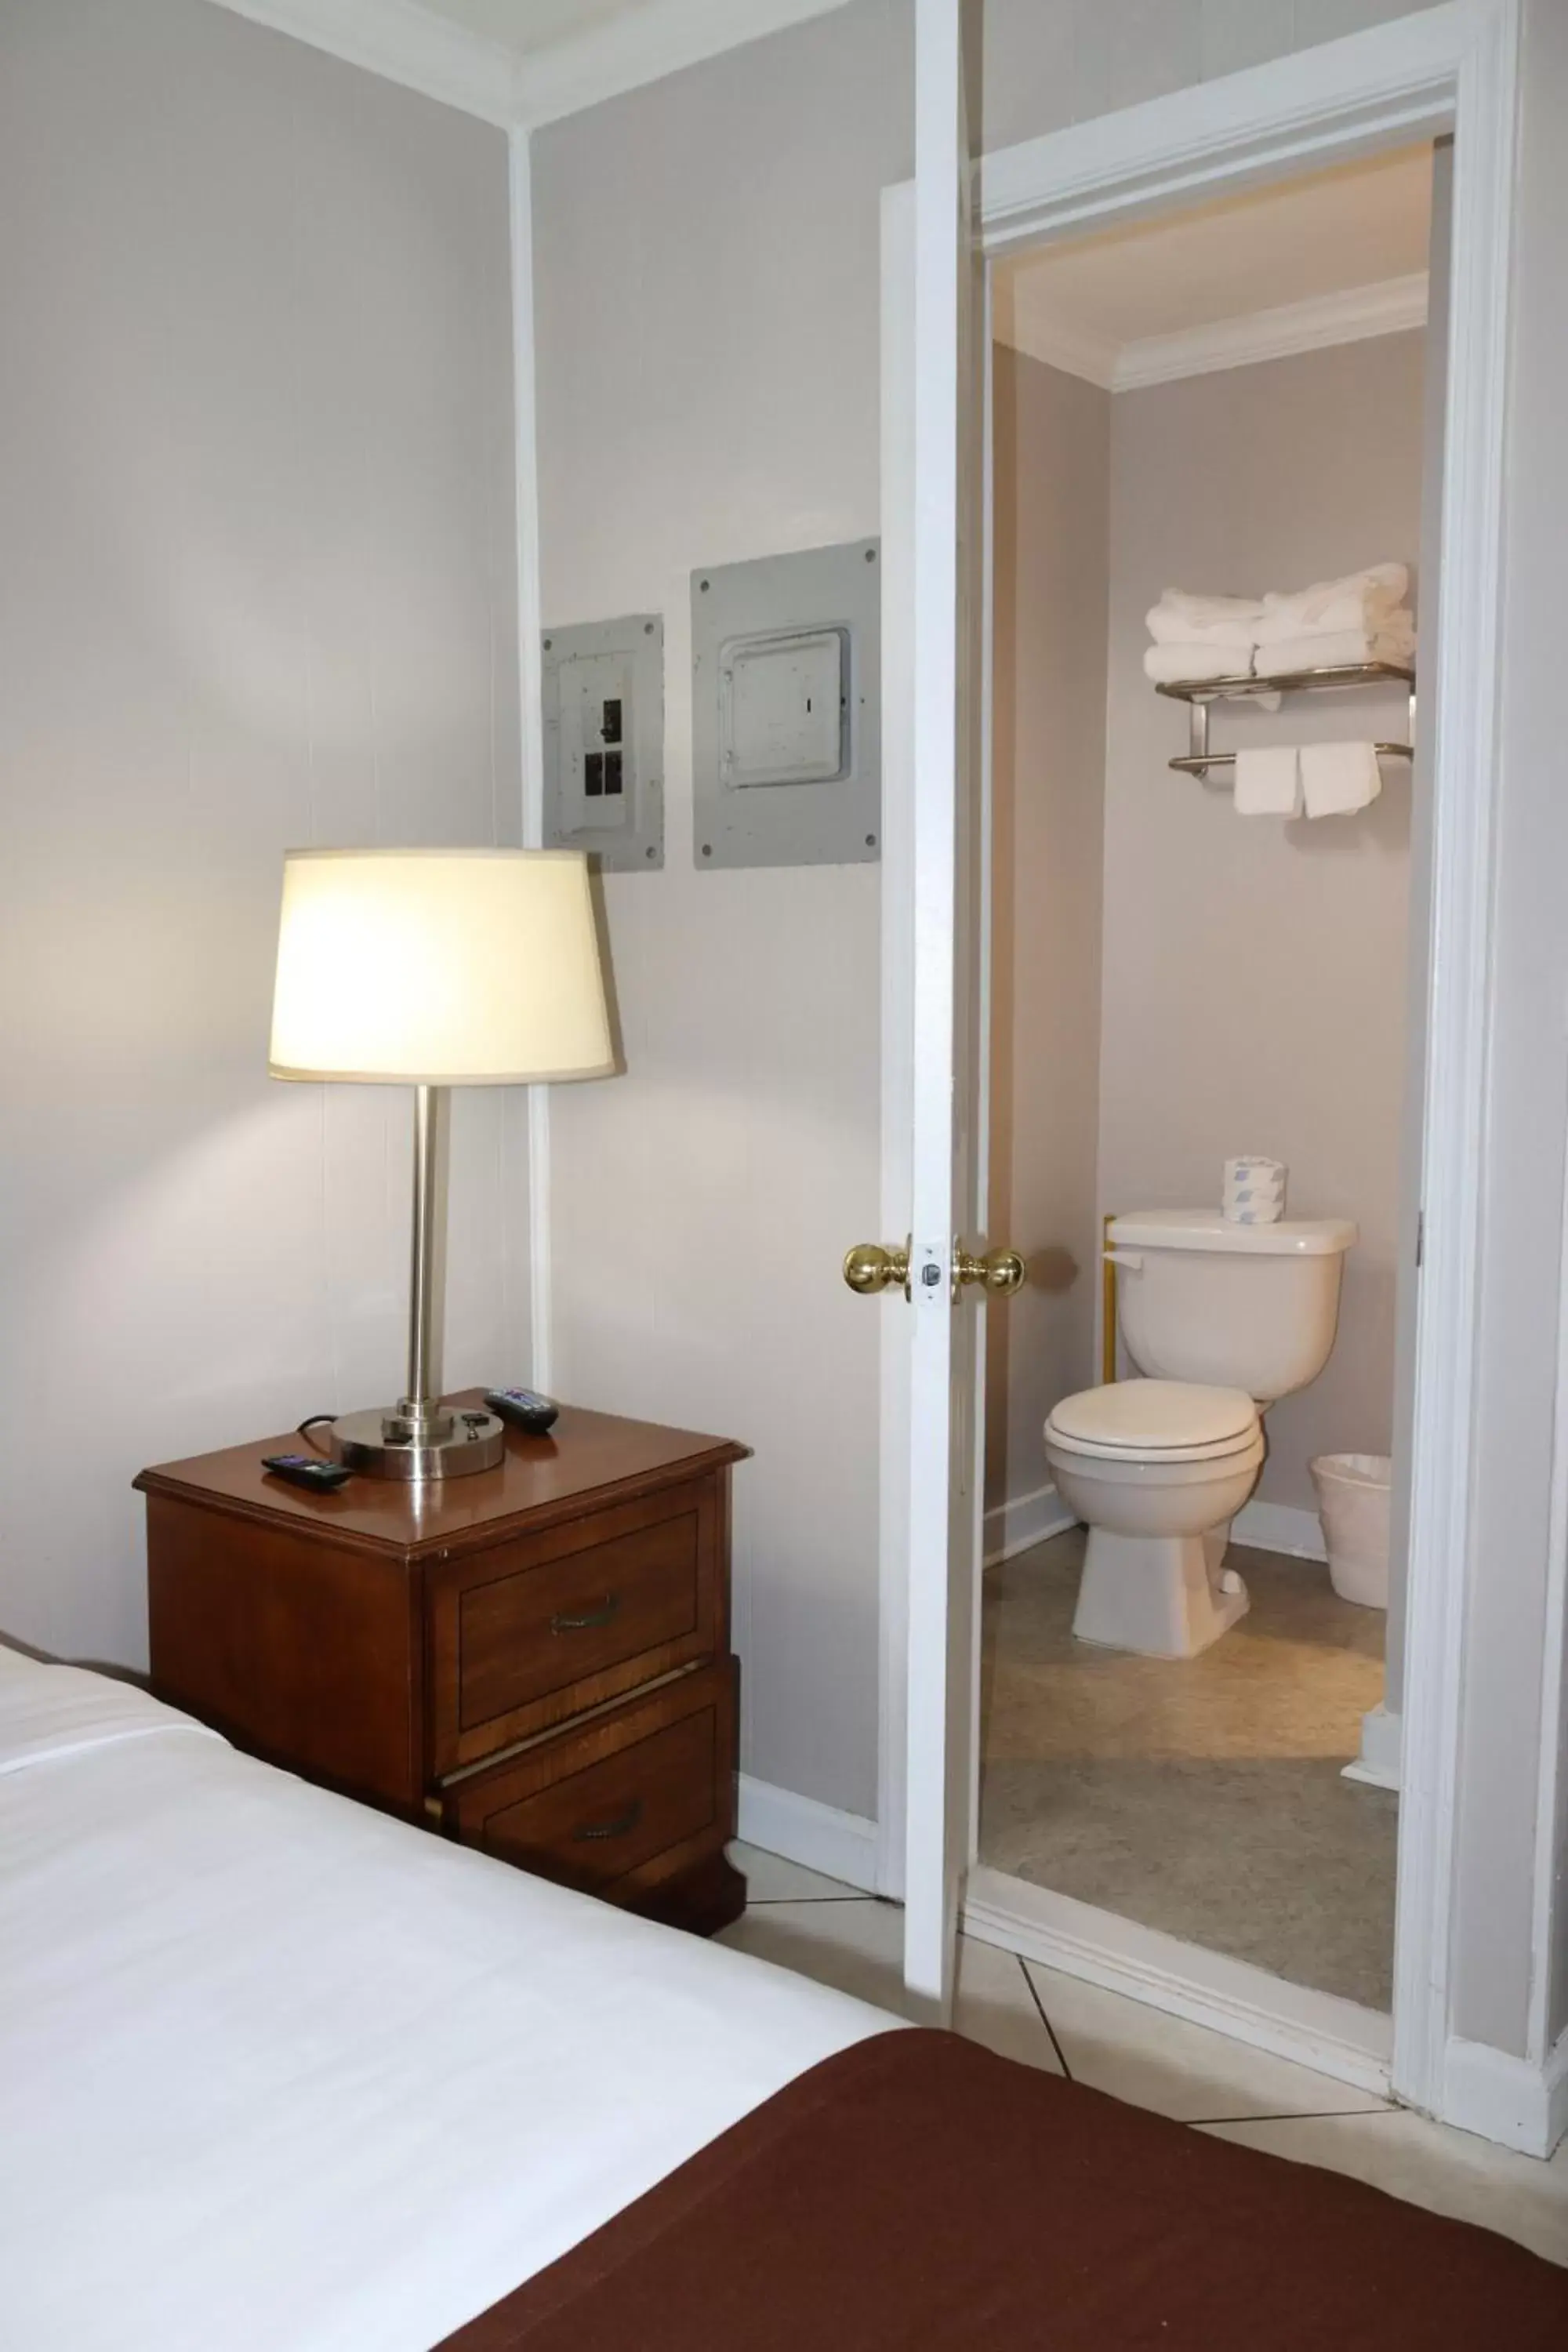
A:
[1200,1796]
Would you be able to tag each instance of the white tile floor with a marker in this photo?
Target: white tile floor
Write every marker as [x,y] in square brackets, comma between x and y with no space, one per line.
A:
[843,1937]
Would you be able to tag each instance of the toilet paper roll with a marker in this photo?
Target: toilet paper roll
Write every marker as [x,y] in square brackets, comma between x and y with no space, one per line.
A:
[1254,1191]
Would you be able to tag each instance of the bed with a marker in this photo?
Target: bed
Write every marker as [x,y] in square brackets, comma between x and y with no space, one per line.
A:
[280,2072]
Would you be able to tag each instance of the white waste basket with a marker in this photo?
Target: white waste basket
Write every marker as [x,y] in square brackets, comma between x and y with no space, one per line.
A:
[1353,1503]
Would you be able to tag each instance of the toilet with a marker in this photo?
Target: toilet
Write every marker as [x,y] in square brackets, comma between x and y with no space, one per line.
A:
[1221,1320]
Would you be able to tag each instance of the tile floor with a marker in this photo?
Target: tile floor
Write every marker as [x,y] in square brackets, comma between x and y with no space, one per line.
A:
[1203,1796]
[843,1937]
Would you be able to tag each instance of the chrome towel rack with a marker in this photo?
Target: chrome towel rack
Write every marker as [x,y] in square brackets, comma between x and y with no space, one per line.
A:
[1200,694]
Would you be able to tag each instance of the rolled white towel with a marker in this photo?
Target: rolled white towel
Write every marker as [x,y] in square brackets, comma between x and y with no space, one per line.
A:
[1182,618]
[1362,600]
[1166,664]
[1268,780]
[1396,644]
[1337,778]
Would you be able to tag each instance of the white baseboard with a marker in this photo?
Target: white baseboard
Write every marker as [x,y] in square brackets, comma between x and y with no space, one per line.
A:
[1504,2098]
[1028,1519]
[1279,1526]
[1382,1742]
[819,1837]
[1314,2028]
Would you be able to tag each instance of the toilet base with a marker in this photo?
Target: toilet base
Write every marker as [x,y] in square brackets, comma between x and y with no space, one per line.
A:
[1161,1596]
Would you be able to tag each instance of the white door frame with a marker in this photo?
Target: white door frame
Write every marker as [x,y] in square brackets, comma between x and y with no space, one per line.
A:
[1451,67]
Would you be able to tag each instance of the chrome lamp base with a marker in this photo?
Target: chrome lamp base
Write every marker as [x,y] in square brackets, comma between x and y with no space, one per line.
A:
[435,1443]
[420,1437]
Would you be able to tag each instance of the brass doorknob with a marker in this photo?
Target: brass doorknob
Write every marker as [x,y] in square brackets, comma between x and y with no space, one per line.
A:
[869,1267]
[1001,1270]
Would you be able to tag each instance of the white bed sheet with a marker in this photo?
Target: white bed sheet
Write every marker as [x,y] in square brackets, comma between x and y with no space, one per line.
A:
[277,2071]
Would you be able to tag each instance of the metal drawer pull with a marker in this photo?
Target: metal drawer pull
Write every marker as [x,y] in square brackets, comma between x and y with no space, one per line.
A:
[598,1831]
[599,1616]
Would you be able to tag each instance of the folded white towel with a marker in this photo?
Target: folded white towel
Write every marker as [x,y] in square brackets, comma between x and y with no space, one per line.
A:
[1362,600]
[1396,644]
[1267,781]
[1181,619]
[1166,664]
[1338,778]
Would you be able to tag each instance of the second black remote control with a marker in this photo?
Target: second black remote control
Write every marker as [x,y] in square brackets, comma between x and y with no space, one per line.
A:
[308,1470]
[525,1409]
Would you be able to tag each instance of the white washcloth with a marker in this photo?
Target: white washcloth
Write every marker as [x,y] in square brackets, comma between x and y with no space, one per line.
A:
[1394,644]
[1268,780]
[1338,778]
[1181,619]
[1166,664]
[1362,600]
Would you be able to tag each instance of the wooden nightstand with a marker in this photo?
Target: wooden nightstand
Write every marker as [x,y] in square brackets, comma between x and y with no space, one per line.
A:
[534,1660]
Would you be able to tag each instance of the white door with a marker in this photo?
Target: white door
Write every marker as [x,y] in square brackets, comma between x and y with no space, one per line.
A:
[943,1277]
[948,1144]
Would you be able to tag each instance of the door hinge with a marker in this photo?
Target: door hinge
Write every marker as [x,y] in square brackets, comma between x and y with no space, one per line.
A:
[1420,1235]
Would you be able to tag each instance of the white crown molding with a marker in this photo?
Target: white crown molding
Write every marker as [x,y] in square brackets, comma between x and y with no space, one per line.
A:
[660,38]
[1392,307]
[1026,323]
[404,43]
[415,46]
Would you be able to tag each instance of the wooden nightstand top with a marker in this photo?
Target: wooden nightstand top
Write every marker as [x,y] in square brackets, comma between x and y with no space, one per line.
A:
[540,1479]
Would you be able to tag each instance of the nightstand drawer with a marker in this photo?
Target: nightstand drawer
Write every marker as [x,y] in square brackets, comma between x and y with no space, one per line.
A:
[537,1630]
[621,1803]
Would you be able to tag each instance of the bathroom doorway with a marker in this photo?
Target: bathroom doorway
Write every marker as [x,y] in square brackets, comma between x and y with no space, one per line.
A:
[1236,400]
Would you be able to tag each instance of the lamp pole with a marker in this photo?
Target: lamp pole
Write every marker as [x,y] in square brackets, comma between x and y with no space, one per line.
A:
[418,1406]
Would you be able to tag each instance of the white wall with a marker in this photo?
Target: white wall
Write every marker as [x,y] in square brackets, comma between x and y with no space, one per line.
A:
[707,309]
[707,250]
[1051,62]
[1254,984]
[1051,538]
[257,590]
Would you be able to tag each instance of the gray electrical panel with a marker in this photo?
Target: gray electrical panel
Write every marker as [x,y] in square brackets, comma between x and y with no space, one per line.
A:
[786,709]
[604,741]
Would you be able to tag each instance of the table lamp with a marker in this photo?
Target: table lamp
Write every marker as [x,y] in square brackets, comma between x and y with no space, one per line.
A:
[435,968]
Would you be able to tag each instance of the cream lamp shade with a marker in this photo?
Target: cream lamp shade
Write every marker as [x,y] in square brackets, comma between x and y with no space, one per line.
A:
[438,967]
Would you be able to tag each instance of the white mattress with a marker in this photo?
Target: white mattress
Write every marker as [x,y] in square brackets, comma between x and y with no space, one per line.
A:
[277,2071]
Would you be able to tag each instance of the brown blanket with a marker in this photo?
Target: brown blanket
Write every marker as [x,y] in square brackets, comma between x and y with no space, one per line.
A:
[916,2194]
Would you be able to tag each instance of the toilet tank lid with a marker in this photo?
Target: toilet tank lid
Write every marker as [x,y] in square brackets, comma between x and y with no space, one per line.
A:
[1206,1229]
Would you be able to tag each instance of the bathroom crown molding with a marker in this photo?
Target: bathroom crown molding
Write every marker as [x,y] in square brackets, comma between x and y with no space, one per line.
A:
[1391,307]
[417,47]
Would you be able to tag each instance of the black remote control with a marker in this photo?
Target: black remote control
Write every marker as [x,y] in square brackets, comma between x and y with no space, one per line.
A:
[308,1470]
[525,1408]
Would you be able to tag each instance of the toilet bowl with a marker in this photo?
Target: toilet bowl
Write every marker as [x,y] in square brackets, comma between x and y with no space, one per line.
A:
[1223,1320]
[1157,1469]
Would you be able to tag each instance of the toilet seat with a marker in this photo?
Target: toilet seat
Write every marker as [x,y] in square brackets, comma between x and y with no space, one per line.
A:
[1154,1421]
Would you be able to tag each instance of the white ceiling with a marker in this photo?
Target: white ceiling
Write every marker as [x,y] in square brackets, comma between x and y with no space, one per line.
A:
[1360,225]
[525,62]
[526,27]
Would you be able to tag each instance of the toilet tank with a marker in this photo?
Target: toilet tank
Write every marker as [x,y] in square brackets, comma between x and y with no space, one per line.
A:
[1237,1306]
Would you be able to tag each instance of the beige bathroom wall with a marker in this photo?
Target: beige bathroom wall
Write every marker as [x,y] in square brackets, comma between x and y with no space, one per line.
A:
[1051,468]
[1254,970]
